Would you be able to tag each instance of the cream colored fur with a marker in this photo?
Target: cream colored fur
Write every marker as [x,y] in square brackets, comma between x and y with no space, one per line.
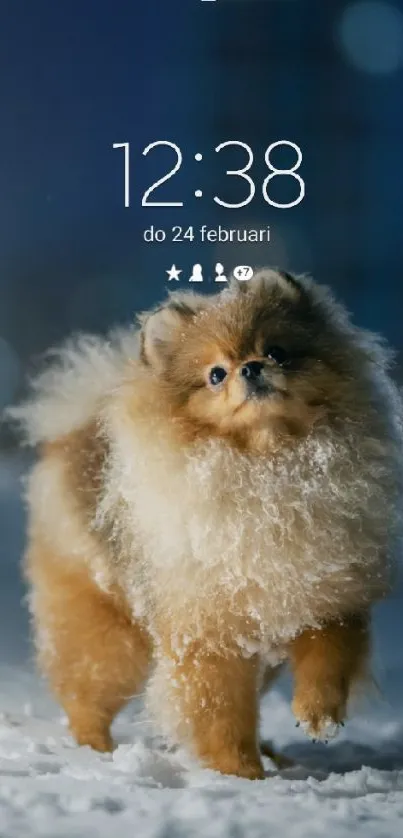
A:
[76,379]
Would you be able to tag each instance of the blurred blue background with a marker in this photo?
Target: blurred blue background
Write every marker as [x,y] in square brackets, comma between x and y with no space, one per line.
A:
[77,77]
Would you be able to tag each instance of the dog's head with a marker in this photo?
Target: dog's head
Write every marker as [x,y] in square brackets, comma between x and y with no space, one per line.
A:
[262,360]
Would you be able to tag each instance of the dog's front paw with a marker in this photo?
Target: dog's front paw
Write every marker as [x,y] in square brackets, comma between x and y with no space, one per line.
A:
[245,764]
[250,769]
[319,716]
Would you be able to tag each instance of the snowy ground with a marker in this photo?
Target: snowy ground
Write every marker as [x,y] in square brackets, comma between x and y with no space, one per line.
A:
[49,787]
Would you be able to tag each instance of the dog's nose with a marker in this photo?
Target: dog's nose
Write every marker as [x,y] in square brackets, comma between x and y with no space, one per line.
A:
[252,370]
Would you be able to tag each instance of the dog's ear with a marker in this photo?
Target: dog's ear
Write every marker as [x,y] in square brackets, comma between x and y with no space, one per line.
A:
[162,327]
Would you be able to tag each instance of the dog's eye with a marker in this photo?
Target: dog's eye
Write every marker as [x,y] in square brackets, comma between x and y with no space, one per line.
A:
[217,375]
[277,354]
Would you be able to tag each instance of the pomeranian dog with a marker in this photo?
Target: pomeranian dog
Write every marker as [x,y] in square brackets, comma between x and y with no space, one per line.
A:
[218,490]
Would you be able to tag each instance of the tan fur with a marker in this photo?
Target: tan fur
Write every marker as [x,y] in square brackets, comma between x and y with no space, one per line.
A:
[325,664]
[95,656]
[214,532]
[218,700]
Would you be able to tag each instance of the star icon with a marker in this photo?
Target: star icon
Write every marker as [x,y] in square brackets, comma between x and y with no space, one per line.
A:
[173,273]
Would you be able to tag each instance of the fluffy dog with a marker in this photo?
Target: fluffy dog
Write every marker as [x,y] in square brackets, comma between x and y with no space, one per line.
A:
[217,491]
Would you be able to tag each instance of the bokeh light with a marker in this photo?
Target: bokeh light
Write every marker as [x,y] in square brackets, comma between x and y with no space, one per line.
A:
[371,36]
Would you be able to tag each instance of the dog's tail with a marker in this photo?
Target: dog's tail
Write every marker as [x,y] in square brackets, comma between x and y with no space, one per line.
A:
[75,379]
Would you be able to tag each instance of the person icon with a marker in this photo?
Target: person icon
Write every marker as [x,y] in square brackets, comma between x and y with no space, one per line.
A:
[220,275]
[197,274]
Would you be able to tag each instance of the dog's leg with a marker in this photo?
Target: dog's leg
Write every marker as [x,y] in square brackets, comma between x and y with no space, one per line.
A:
[216,697]
[326,663]
[96,659]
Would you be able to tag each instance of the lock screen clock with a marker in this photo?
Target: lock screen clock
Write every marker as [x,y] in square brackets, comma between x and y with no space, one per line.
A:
[243,172]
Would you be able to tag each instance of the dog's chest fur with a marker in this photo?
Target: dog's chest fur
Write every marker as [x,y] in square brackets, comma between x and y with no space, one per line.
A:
[289,541]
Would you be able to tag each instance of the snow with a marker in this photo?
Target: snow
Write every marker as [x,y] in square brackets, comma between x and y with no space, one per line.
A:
[50,787]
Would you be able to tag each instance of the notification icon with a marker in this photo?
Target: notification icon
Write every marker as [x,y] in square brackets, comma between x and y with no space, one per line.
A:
[243,272]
